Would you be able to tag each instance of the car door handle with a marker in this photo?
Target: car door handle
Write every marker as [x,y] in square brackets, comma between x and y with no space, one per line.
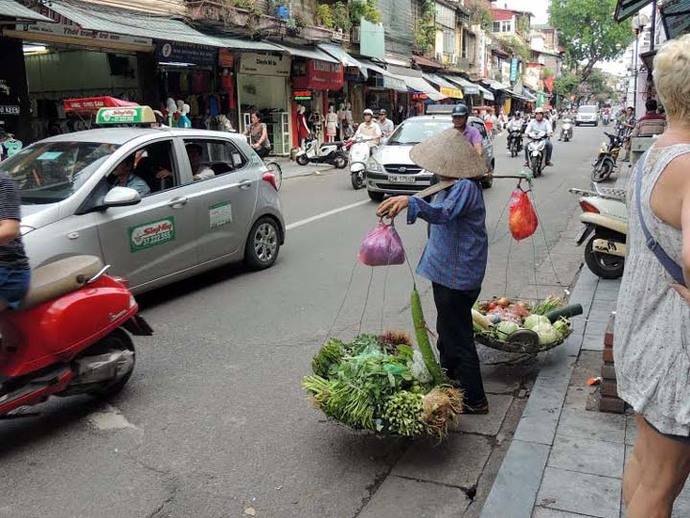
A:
[245,184]
[177,203]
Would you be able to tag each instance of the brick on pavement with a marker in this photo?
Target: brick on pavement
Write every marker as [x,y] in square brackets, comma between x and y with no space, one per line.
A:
[591,495]
[403,498]
[588,456]
[458,461]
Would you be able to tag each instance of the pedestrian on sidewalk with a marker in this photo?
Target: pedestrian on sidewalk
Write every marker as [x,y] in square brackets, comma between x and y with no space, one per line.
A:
[652,349]
[454,260]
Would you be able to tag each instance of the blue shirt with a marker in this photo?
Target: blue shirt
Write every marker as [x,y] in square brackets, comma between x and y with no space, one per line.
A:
[457,251]
[139,185]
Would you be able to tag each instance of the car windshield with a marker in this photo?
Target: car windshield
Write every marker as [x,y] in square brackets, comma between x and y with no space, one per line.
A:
[587,109]
[416,131]
[52,171]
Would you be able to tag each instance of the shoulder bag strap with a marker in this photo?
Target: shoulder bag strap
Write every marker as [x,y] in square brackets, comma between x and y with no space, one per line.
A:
[673,268]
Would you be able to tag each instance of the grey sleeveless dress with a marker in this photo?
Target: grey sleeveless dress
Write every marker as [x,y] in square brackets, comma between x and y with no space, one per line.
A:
[652,335]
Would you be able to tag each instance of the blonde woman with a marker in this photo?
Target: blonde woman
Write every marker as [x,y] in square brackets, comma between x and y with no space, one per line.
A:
[652,349]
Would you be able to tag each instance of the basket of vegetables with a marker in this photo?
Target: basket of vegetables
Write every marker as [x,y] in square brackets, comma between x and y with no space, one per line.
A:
[519,327]
[383,383]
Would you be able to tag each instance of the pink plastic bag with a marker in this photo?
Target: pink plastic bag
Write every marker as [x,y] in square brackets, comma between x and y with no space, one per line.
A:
[382,247]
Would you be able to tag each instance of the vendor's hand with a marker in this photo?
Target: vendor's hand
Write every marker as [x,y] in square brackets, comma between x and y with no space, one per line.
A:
[392,206]
[163,173]
[682,291]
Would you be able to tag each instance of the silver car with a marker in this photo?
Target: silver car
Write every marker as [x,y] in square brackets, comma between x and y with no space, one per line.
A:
[158,205]
[587,114]
[390,169]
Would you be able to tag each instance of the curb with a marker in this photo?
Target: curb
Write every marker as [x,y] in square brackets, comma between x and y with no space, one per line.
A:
[514,492]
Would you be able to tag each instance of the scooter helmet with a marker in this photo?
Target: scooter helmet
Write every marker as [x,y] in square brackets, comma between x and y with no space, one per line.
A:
[539,110]
[368,112]
[460,110]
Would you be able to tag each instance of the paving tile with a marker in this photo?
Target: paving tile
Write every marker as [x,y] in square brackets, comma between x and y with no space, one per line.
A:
[593,342]
[540,417]
[543,512]
[458,461]
[488,424]
[517,482]
[403,498]
[592,425]
[631,430]
[506,379]
[588,456]
[591,495]
[597,327]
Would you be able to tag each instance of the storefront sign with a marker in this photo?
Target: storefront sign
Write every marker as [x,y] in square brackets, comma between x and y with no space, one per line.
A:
[226,59]
[180,52]
[151,234]
[265,64]
[513,69]
[9,109]
[318,75]
[454,93]
[419,97]
[302,95]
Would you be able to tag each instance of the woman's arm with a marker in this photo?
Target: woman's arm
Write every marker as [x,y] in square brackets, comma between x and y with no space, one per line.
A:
[435,213]
[685,230]
[9,230]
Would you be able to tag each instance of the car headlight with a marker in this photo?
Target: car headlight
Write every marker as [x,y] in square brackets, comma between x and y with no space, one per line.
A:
[25,229]
[374,166]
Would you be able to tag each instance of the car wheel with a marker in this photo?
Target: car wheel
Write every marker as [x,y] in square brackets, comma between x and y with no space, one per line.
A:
[376,196]
[263,244]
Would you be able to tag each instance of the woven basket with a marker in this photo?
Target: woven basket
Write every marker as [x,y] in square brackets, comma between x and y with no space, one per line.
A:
[518,348]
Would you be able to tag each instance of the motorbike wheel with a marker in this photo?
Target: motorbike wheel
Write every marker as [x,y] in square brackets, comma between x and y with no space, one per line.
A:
[340,162]
[357,180]
[603,265]
[117,340]
[513,151]
[302,159]
[602,170]
[536,166]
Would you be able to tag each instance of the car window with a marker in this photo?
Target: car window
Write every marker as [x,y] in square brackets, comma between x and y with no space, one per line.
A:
[416,131]
[211,157]
[52,171]
[149,170]
[587,109]
[480,127]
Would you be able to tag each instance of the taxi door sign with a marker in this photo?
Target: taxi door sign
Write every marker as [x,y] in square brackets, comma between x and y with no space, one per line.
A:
[151,234]
[128,115]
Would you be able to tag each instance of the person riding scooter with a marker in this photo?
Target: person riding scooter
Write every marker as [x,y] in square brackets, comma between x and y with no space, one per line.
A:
[540,124]
[369,129]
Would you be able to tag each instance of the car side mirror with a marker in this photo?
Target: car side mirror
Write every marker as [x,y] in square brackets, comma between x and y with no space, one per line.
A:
[384,141]
[121,197]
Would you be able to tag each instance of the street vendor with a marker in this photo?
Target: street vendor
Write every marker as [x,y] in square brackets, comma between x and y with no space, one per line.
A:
[455,256]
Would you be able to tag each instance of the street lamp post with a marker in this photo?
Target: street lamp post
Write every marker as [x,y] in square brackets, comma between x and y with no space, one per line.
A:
[639,23]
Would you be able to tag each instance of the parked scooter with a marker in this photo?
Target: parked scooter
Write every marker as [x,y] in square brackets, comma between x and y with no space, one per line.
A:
[514,141]
[536,151]
[328,153]
[49,347]
[567,130]
[360,151]
[606,159]
[605,217]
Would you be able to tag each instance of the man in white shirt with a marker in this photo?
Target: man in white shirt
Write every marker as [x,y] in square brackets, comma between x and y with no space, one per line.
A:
[200,172]
[539,123]
[369,129]
[387,126]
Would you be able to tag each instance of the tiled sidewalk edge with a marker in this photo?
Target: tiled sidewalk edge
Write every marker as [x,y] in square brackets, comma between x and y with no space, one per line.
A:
[515,489]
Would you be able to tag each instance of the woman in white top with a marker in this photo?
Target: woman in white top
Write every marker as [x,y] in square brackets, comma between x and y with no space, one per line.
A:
[652,348]
[331,124]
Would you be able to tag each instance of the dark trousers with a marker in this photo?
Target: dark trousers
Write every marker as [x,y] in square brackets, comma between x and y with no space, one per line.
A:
[263,152]
[456,340]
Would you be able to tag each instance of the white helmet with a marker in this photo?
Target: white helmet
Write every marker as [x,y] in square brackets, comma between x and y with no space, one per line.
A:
[368,112]
[539,110]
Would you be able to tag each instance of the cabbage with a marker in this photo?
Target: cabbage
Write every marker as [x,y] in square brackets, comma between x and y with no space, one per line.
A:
[562,327]
[533,321]
[547,333]
[506,328]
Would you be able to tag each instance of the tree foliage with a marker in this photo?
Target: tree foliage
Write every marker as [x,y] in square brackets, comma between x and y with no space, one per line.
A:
[425,29]
[479,14]
[569,84]
[588,32]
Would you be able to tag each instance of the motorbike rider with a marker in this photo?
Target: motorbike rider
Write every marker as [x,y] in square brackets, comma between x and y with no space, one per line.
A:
[539,123]
[387,126]
[515,124]
[369,129]
[15,273]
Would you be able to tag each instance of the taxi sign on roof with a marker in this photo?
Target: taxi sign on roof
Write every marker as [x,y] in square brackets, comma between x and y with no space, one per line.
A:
[126,115]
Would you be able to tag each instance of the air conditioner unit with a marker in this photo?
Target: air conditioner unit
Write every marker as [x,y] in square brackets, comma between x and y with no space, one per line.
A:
[356,34]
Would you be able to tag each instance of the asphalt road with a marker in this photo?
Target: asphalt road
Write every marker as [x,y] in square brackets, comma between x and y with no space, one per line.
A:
[214,421]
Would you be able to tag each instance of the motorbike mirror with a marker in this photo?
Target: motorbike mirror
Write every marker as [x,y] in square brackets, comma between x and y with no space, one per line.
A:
[121,197]
[384,141]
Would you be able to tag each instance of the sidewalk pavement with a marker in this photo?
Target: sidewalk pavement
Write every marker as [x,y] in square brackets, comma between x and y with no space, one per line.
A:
[292,169]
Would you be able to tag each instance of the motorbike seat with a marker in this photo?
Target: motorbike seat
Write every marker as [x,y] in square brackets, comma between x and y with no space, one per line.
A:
[59,278]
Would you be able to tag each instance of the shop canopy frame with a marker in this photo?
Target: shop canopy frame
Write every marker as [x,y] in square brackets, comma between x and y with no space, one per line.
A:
[345,59]
[308,53]
[390,81]
[15,10]
[486,93]
[414,79]
[447,88]
[468,87]
[494,85]
[627,8]
[675,15]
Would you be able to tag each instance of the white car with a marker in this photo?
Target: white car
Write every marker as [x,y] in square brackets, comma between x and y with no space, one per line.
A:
[587,114]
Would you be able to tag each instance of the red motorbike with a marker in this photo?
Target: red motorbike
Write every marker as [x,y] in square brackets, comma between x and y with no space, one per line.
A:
[69,335]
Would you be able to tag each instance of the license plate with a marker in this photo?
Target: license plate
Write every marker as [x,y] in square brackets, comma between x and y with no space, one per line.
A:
[401,178]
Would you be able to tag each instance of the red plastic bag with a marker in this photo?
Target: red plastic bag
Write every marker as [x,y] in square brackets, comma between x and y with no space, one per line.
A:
[522,218]
[382,247]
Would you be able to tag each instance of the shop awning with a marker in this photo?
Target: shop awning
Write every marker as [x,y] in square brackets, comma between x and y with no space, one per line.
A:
[445,87]
[676,17]
[390,81]
[516,95]
[487,94]
[248,45]
[414,79]
[426,62]
[131,23]
[627,8]
[12,9]
[309,53]
[468,88]
[347,61]
[494,84]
